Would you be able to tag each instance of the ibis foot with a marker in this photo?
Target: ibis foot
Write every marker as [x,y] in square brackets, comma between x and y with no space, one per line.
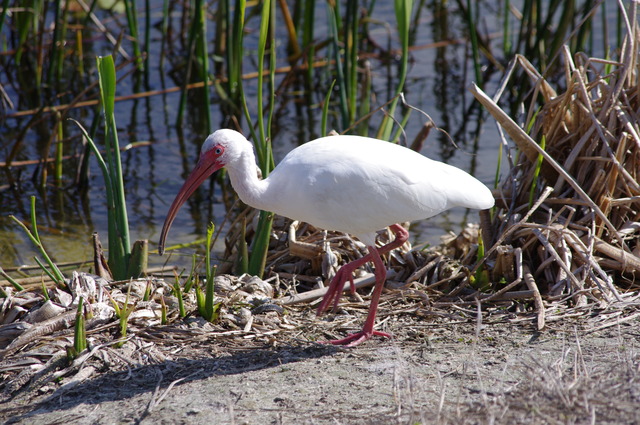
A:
[357,338]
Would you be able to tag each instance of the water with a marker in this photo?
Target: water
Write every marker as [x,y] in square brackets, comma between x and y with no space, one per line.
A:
[155,170]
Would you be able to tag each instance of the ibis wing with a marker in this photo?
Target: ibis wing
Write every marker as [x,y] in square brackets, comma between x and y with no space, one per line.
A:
[360,185]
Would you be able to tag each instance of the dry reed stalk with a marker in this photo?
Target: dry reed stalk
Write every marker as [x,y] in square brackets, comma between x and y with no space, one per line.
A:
[583,240]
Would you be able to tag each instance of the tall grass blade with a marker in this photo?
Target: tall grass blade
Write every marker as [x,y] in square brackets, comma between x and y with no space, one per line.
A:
[59,152]
[163,311]
[325,110]
[364,108]
[191,279]
[260,248]
[123,313]
[403,9]
[262,143]
[475,47]
[45,270]
[198,54]
[333,17]
[177,290]
[481,280]
[45,291]
[3,13]
[80,334]
[210,307]
[119,245]
[210,271]
[54,272]
[201,44]
[243,249]
[506,31]
[165,34]
[147,33]
[564,25]
[56,44]
[132,22]
[351,58]
[235,29]
[308,26]
[536,173]
[23,22]
[11,280]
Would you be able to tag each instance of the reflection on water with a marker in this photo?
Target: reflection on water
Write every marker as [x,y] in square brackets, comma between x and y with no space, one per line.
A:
[69,213]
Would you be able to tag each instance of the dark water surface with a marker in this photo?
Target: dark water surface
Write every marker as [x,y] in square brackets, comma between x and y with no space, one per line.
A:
[155,170]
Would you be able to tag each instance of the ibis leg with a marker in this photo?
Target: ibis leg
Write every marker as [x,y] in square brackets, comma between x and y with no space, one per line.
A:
[345,273]
[337,284]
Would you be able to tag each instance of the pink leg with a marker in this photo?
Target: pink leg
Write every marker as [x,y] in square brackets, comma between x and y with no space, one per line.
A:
[337,286]
[345,274]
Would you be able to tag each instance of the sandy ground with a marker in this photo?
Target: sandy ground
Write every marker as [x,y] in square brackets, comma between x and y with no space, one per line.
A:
[429,373]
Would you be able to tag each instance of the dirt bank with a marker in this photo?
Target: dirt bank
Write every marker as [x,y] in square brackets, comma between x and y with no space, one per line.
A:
[440,373]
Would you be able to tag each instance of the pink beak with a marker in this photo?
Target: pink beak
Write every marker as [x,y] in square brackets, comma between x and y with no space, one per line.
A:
[203,169]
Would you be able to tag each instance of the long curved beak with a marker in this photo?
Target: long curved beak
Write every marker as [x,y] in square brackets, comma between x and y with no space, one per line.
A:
[203,169]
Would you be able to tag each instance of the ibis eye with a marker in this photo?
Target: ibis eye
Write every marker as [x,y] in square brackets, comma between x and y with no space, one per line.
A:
[218,151]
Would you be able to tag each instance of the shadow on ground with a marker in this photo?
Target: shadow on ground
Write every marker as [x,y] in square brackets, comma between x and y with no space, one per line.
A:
[156,378]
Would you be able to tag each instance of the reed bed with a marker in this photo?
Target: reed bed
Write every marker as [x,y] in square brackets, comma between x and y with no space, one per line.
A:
[566,222]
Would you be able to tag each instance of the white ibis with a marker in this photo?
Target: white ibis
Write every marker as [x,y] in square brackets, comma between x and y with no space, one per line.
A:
[352,184]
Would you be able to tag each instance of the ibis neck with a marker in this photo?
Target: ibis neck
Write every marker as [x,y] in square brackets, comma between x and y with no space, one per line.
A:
[244,179]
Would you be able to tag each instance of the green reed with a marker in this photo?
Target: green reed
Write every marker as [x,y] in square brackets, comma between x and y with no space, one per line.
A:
[475,48]
[25,22]
[56,67]
[165,33]
[132,22]
[481,279]
[79,333]
[179,293]
[262,140]
[506,39]
[351,29]
[198,54]
[3,13]
[334,25]
[234,48]
[59,151]
[536,172]
[308,25]
[121,261]
[122,313]
[207,307]
[53,271]
[210,272]
[545,27]
[403,9]
[191,279]
[147,33]
[266,36]
[325,110]
[11,280]
[119,245]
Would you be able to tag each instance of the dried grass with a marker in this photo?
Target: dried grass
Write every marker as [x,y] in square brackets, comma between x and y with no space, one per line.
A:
[581,239]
